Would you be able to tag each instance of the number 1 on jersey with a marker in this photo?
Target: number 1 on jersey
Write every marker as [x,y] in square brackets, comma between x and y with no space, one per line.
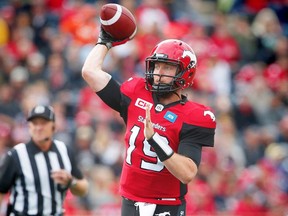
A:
[158,166]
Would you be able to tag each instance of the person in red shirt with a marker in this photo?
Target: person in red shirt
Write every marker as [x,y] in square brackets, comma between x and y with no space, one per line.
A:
[165,132]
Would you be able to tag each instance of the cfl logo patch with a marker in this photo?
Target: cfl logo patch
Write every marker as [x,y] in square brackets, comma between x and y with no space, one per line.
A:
[159,107]
[142,103]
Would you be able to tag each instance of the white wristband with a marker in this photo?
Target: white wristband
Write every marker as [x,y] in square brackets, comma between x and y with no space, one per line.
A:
[163,150]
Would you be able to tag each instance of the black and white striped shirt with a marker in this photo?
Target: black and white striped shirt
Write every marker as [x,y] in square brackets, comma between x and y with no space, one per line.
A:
[25,172]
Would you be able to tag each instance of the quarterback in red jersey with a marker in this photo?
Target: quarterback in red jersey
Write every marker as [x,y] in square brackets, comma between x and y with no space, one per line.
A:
[165,132]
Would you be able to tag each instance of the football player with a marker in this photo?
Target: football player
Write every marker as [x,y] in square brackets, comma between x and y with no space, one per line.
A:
[165,132]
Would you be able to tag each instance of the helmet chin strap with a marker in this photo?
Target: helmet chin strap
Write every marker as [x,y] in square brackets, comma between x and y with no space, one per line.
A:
[174,92]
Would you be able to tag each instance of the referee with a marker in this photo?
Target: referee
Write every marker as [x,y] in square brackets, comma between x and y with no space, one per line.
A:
[38,173]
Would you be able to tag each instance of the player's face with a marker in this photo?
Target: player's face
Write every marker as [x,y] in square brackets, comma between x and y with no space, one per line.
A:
[161,69]
[40,129]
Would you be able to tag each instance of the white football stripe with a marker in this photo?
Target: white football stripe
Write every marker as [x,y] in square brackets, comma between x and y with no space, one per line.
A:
[134,33]
[114,19]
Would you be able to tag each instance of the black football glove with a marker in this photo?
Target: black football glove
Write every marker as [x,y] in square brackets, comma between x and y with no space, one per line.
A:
[107,40]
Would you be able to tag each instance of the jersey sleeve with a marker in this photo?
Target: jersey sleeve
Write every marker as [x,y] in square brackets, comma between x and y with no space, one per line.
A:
[111,95]
[192,139]
[128,88]
[198,135]
[201,116]
[199,126]
[116,95]
[197,131]
[8,172]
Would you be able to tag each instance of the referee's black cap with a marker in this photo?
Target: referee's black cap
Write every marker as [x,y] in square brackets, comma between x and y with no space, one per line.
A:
[41,111]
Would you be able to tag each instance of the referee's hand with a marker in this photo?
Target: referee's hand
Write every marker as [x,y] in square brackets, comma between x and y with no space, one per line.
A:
[62,177]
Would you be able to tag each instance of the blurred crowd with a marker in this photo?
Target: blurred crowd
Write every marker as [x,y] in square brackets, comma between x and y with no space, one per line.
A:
[242,73]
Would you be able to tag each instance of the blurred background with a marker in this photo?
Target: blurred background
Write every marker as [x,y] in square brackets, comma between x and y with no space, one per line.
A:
[242,51]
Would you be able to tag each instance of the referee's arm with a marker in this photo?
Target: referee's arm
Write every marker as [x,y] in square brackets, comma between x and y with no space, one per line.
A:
[1,198]
[8,174]
[73,181]
[78,184]
[79,187]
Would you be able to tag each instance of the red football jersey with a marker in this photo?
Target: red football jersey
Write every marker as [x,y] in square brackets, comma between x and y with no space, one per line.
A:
[144,177]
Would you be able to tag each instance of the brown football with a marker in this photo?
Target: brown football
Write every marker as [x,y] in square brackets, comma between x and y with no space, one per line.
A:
[118,21]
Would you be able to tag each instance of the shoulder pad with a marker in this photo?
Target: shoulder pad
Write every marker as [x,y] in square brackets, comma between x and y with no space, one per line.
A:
[201,115]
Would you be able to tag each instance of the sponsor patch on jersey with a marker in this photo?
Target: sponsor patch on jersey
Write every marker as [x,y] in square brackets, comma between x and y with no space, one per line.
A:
[170,116]
[142,103]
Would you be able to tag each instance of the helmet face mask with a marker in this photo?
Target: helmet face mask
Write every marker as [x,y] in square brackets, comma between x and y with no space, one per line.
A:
[174,52]
[160,87]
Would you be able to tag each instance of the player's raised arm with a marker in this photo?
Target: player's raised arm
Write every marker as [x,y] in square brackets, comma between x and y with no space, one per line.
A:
[118,26]
[92,71]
